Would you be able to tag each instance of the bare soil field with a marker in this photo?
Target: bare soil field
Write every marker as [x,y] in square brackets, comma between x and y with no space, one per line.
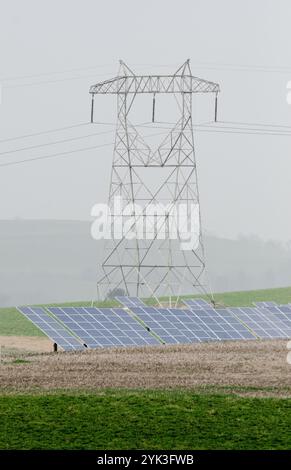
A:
[25,343]
[257,368]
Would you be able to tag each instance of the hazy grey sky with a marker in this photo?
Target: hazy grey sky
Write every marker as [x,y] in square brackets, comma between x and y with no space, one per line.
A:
[244,179]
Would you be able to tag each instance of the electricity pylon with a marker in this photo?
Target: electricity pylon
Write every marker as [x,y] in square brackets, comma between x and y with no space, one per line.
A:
[155,264]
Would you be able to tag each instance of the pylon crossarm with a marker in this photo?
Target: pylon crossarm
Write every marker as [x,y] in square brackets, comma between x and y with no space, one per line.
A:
[155,84]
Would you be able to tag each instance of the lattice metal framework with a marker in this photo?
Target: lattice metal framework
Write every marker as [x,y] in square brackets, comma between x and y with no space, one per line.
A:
[154,266]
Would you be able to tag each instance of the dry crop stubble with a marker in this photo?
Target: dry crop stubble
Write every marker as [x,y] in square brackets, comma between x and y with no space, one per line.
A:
[260,365]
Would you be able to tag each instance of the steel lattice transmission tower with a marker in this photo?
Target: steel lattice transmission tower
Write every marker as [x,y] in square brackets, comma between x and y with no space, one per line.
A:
[143,175]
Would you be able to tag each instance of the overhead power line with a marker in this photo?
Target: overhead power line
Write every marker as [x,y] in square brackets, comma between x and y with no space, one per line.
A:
[60,154]
[49,131]
[255,124]
[242,132]
[206,127]
[54,143]
[225,66]
[236,130]
[59,72]
[199,65]
[269,127]
[217,65]
[45,82]
[225,130]
[243,67]
[55,155]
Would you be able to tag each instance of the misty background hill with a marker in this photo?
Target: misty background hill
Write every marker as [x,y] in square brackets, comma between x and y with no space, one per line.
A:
[54,261]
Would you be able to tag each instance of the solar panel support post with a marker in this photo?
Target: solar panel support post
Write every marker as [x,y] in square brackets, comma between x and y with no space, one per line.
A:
[145,175]
[55,347]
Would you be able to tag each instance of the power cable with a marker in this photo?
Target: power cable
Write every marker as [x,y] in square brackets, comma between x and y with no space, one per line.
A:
[254,124]
[221,131]
[55,155]
[242,68]
[213,125]
[59,154]
[53,143]
[46,82]
[59,72]
[35,134]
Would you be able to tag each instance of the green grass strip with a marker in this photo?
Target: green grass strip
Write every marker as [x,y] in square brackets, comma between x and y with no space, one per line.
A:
[144,420]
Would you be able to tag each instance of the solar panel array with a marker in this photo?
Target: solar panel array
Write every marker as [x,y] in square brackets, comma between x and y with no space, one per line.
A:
[74,328]
[105,327]
[265,304]
[196,303]
[282,313]
[223,324]
[280,308]
[130,301]
[262,322]
[173,326]
[52,328]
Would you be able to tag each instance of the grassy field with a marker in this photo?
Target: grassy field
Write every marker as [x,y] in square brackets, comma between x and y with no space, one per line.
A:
[13,323]
[144,420]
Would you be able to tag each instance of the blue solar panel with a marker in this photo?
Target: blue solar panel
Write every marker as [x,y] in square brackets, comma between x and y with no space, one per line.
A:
[280,308]
[283,313]
[223,324]
[285,309]
[130,301]
[173,326]
[265,304]
[191,326]
[196,303]
[80,325]
[104,327]
[52,328]
[262,322]
[199,322]
[126,328]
